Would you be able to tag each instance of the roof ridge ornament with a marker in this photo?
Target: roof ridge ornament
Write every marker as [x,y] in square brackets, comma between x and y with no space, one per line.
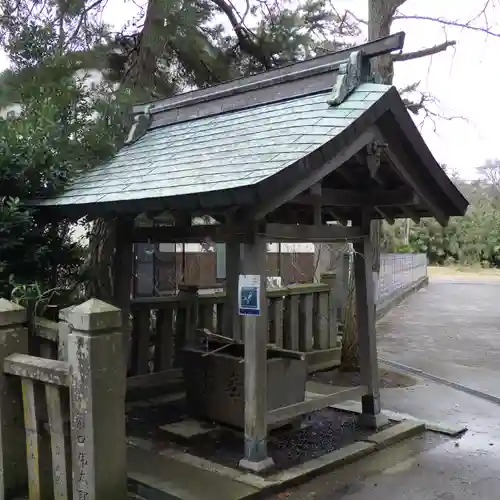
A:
[349,77]
[140,125]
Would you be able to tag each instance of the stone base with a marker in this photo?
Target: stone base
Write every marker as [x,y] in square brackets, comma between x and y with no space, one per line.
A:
[372,421]
[256,467]
[188,428]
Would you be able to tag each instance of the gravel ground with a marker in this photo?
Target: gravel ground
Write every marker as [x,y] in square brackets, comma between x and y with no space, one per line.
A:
[322,432]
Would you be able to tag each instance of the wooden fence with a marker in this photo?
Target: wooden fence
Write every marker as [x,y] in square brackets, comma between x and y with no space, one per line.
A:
[45,396]
[67,413]
[158,272]
[47,392]
[302,318]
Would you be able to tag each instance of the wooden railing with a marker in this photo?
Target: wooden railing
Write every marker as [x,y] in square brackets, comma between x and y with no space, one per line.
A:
[53,409]
[302,318]
[46,334]
[49,380]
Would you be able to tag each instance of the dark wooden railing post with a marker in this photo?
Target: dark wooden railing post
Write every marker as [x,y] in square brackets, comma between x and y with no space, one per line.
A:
[188,295]
[13,339]
[330,279]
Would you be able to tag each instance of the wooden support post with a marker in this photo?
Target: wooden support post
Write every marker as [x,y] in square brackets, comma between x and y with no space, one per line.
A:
[371,416]
[231,321]
[33,440]
[122,278]
[13,338]
[255,329]
[331,280]
[188,295]
[97,401]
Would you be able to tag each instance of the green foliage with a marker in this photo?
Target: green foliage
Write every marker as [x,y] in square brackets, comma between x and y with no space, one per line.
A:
[64,127]
[468,240]
[61,129]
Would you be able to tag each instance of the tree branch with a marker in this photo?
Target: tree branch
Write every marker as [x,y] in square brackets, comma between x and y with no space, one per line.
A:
[242,33]
[429,51]
[355,17]
[81,20]
[447,22]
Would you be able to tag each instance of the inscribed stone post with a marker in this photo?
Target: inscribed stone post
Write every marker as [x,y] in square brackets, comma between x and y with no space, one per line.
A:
[13,339]
[97,395]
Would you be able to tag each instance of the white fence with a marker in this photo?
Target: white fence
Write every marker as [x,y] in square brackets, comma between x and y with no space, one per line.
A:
[398,272]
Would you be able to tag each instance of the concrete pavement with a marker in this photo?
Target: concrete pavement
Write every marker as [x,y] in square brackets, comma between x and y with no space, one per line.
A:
[451,330]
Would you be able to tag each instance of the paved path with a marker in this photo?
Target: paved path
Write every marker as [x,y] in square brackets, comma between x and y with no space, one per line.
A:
[451,330]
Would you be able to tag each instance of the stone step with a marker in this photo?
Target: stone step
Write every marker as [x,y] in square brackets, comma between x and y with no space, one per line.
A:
[158,477]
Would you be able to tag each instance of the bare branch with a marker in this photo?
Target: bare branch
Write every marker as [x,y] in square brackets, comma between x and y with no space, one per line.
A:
[436,49]
[447,22]
[427,106]
[355,17]
[81,21]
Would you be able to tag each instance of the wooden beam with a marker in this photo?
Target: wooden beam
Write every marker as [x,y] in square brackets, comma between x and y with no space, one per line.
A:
[353,198]
[334,215]
[348,176]
[217,233]
[411,214]
[287,413]
[297,233]
[401,161]
[316,175]
[274,78]
[384,215]
[123,268]
[316,195]
[231,320]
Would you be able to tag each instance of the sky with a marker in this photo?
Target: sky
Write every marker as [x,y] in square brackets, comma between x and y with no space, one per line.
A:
[464,80]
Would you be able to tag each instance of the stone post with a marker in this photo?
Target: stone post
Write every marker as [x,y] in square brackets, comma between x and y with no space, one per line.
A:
[97,401]
[13,339]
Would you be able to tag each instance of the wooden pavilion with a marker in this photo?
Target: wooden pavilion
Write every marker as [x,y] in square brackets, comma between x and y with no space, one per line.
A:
[291,155]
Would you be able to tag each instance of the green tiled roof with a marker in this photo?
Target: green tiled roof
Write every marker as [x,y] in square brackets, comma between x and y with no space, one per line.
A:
[229,150]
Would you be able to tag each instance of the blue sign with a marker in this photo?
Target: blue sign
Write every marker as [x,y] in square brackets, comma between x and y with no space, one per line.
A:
[249,295]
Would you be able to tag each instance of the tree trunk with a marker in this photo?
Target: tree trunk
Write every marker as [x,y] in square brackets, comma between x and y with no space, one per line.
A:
[100,260]
[141,70]
[380,14]
[350,347]
[140,75]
